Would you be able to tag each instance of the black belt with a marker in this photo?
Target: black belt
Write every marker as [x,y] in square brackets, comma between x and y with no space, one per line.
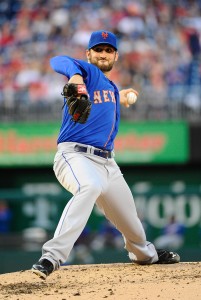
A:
[102,153]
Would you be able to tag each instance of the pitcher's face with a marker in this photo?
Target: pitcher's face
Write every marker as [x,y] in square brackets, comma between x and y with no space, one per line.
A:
[102,56]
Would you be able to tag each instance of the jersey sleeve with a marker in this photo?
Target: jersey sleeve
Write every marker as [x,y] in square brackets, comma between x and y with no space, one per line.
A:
[67,66]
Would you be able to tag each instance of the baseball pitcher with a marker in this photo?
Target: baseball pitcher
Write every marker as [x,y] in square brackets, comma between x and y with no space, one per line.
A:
[84,163]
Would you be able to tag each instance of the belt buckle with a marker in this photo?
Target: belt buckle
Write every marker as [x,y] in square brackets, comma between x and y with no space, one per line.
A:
[105,154]
[102,153]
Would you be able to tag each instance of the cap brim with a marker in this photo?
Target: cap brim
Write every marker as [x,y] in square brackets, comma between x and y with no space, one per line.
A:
[102,43]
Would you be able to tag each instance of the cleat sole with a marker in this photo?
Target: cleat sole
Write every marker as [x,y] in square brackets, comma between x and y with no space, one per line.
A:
[39,274]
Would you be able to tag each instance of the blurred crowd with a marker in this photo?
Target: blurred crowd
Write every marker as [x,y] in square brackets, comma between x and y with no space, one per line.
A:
[158,41]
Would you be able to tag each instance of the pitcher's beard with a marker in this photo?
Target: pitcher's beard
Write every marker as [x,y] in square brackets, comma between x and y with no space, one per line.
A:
[104,68]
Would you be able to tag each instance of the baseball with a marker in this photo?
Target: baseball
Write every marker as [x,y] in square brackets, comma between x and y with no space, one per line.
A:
[131,98]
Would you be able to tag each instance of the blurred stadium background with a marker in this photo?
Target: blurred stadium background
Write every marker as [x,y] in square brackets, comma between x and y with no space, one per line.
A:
[159,143]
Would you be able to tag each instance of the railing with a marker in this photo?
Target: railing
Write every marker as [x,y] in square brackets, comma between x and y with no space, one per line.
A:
[146,108]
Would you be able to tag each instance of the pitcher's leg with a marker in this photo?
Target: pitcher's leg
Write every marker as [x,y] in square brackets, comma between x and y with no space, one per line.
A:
[71,226]
[80,175]
[119,207]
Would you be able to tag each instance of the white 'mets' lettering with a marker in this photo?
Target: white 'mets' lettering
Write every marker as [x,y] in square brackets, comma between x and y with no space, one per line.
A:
[97,97]
[105,96]
[112,96]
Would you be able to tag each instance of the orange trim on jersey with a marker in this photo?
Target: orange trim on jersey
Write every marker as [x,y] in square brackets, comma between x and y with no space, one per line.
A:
[112,128]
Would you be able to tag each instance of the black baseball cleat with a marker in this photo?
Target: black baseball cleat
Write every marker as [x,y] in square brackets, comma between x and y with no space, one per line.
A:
[43,268]
[167,257]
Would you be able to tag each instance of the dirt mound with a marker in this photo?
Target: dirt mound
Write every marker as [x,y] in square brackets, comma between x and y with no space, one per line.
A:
[112,281]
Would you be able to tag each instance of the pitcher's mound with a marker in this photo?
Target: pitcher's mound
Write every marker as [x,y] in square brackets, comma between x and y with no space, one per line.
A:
[112,281]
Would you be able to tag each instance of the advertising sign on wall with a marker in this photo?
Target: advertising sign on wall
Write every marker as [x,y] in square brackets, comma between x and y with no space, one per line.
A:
[151,142]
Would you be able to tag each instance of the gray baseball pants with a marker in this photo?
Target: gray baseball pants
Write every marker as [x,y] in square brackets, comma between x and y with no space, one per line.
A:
[94,180]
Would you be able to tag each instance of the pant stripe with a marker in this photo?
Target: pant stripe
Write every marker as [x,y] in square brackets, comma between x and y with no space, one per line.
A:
[76,192]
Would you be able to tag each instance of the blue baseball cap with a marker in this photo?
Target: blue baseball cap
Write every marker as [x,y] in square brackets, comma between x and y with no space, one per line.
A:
[102,37]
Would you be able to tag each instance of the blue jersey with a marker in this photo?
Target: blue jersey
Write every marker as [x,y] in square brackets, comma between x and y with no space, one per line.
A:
[102,125]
